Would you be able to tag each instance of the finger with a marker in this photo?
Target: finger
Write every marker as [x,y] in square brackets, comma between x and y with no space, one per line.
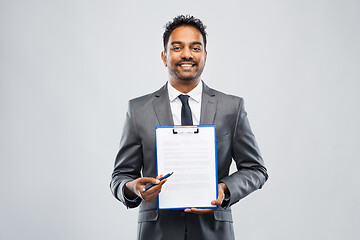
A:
[146,180]
[220,198]
[154,190]
[150,191]
[202,211]
[158,177]
[157,186]
[199,211]
[216,202]
[149,196]
[162,182]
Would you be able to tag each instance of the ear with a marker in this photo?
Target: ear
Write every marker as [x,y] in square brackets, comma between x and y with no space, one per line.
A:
[205,55]
[163,57]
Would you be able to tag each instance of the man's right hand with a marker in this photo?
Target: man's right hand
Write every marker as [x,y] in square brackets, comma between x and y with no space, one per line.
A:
[135,188]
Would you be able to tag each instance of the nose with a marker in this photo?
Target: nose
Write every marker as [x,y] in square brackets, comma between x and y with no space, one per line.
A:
[186,53]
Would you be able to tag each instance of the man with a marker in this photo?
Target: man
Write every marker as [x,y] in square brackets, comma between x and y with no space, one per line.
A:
[185,55]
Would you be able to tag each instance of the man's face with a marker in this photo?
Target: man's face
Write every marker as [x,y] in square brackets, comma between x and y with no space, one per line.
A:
[185,55]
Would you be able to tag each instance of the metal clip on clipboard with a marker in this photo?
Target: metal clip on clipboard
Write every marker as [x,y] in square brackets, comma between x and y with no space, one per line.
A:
[185,129]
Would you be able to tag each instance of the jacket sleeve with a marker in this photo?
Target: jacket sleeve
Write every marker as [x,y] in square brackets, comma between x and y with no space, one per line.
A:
[251,173]
[128,161]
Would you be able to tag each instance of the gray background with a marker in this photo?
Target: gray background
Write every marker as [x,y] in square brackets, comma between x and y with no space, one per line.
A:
[67,69]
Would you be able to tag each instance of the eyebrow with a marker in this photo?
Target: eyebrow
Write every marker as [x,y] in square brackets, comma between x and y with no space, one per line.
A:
[193,43]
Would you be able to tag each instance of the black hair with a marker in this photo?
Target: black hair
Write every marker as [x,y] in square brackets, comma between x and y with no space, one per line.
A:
[183,20]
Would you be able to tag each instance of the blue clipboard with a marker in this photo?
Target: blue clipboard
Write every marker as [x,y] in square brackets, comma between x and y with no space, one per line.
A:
[190,152]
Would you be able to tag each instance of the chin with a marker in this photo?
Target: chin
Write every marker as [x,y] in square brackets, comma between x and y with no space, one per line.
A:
[187,79]
[184,77]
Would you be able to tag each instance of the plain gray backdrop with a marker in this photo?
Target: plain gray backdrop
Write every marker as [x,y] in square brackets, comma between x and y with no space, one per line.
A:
[68,68]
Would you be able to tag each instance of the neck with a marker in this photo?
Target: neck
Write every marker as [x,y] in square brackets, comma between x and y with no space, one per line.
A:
[184,86]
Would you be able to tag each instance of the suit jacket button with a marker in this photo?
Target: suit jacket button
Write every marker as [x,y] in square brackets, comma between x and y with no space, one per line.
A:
[182,214]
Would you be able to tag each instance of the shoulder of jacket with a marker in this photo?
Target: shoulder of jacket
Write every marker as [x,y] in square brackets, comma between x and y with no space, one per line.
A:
[141,99]
[227,98]
[146,98]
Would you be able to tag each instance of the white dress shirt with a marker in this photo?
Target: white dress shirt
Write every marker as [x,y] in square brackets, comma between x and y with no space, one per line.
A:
[194,103]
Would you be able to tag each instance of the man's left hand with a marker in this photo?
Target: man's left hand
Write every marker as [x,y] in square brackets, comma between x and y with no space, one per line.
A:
[221,195]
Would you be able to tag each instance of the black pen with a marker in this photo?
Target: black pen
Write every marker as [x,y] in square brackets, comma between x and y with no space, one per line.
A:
[150,185]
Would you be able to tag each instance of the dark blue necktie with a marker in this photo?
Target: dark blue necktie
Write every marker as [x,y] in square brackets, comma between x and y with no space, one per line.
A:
[186,118]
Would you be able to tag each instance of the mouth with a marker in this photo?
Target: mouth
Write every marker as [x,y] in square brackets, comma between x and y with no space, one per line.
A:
[187,66]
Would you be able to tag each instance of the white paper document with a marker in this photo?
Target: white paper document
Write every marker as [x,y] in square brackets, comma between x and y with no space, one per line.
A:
[189,152]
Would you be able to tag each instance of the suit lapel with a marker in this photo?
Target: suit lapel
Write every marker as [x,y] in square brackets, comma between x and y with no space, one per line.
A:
[162,106]
[208,106]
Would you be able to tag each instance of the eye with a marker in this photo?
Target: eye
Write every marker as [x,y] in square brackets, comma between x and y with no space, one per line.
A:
[197,49]
[176,48]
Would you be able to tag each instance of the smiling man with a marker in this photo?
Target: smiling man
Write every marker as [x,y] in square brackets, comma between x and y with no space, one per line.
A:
[185,57]
[186,100]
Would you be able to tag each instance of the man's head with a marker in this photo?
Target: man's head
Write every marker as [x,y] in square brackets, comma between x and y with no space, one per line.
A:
[184,49]
[182,20]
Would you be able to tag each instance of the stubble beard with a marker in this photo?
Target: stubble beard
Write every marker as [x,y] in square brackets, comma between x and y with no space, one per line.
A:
[177,75]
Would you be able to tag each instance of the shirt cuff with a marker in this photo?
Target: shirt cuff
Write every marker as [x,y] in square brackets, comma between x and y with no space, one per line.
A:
[227,197]
[131,200]
[226,202]
[129,203]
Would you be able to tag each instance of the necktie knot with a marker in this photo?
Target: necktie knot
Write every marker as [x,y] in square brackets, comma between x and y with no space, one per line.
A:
[184,99]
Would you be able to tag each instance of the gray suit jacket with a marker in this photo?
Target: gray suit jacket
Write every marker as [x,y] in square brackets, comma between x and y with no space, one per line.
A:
[137,154]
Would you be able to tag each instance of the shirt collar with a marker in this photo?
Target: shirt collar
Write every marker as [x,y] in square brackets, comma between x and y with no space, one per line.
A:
[195,94]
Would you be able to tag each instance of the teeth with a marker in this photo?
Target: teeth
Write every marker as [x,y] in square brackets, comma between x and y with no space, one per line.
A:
[186,65]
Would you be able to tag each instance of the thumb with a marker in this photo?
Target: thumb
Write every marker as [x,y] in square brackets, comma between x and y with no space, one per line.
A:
[216,202]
